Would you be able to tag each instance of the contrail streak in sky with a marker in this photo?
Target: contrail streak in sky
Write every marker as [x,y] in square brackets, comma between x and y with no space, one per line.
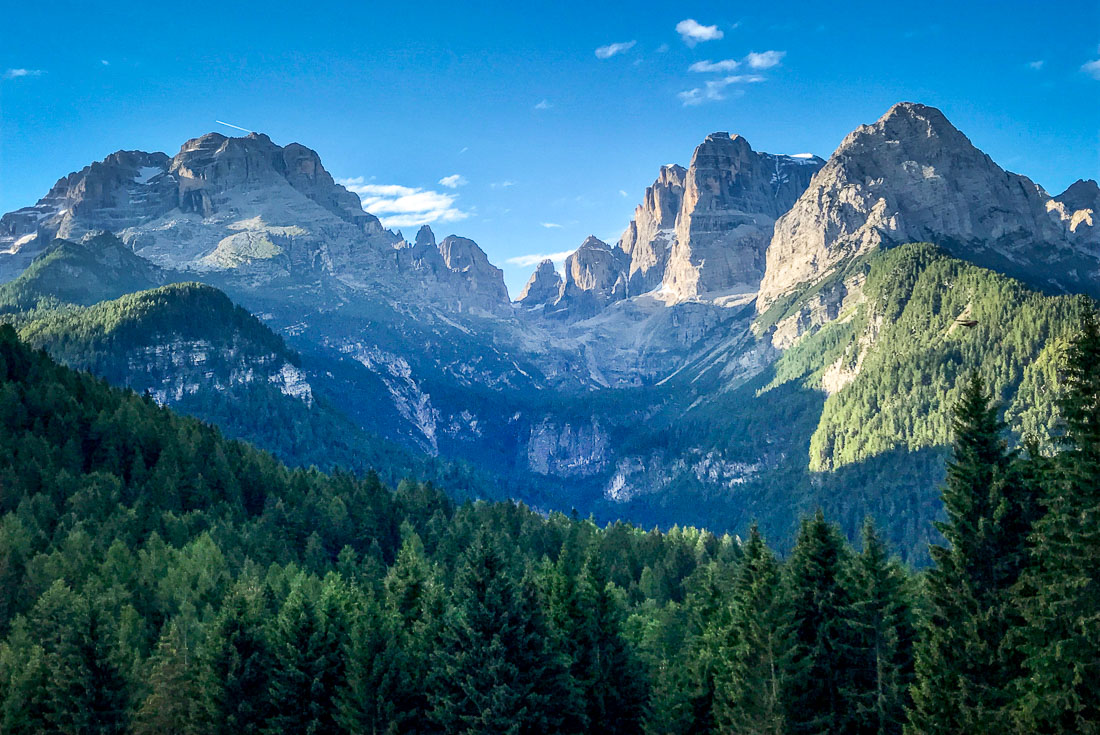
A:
[231,125]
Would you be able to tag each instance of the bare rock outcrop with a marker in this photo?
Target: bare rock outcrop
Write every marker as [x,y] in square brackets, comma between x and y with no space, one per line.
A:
[912,176]
[543,289]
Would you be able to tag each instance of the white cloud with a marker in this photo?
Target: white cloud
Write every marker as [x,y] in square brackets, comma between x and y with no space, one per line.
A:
[550,225]
[764,59]
[526,261]
[104,62]
[693,32]
[606,52]
[544,105]
[17,73]
[453,181]
[715,89]
[405,206]
[714,66]
[501,184]
[1092,68]
[464,149]
[622,192]
[662,48]
[1036,65]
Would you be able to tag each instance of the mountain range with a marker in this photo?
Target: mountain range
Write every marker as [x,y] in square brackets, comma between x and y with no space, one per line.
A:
[764,337]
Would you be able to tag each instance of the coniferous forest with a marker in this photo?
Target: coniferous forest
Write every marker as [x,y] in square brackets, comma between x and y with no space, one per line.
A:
[158,578]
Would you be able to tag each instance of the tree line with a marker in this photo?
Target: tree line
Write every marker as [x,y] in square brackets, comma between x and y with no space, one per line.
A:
[160,578]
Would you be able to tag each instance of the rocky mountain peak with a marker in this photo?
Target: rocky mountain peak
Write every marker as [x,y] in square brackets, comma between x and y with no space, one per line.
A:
[1081,194]
[913,177]
[543,289]
[731,198]
[425,237]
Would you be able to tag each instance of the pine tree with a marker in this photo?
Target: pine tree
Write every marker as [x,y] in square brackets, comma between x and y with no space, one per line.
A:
[817,691]
[1061,591]
[309,666]
[80,691]
[240,663]
[175,700]
[362,704]
[603,663]
[885,629]
[749,692]
[965,664]
[413,609]
[494,672]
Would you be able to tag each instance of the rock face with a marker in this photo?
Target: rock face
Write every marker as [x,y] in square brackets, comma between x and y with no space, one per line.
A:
[699,231]
[253,210]
[595,276]
[543,289]
[1081,194]
[650,235]
[912,176]
[732,197]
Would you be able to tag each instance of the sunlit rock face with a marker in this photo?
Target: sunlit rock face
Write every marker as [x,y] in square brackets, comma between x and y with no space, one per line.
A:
[732,197]
[911,177]
[649,237]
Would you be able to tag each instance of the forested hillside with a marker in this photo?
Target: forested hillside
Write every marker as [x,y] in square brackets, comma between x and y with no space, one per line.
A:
[161,578]
[194,349]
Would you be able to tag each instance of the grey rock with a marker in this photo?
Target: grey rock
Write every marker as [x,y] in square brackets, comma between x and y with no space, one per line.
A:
[732,197]
[912,176]
[650,235]
[595,276]
[543,289]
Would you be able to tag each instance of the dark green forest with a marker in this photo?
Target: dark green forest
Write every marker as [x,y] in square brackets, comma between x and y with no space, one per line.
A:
[159,578]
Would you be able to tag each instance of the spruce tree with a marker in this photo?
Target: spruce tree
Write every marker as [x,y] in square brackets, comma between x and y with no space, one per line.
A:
[1061,591]
[240,663]
[78,689]
[603,663]
[966,664]
[885,631]
[413,609]
[749,690]
[494,672]
[309,665]
[175,699]
[817,691]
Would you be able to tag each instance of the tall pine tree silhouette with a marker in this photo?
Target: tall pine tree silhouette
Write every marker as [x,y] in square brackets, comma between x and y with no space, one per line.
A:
[1061,689]
[965,664]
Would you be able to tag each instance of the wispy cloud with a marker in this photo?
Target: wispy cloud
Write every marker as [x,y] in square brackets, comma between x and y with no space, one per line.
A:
[662,48]
[611,49]
[717,89]
[18,73]
[104,62]
[1092,68]
[550,225]
[501,184]
[764,59]
[405,206]
[453,181]
[463,149]
[693,32]
[622,192]
[544,105]
[708,66]
[526,261]
[1036,65]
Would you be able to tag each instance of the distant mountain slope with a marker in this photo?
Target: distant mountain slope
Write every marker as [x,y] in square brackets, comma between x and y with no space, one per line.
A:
[83,273]
[190,347]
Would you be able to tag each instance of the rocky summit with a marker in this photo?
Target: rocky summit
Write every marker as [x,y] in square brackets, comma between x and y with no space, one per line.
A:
[912,176]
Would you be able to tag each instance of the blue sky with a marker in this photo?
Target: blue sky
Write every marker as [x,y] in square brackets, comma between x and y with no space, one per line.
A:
[528,126]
